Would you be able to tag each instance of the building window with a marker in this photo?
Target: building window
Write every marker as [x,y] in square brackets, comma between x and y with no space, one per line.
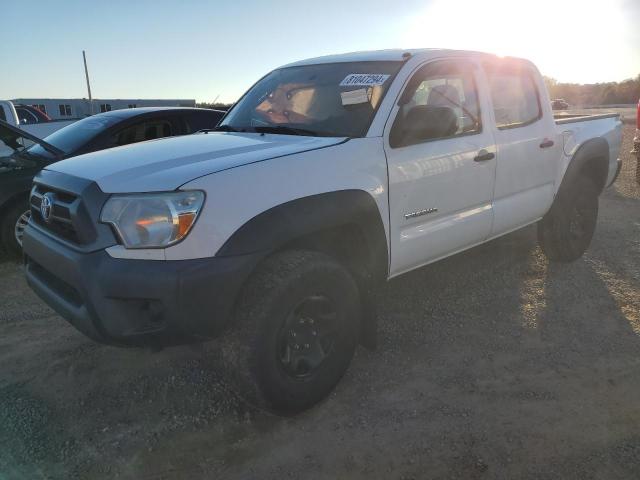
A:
[65,110]
[132,105]
[105,107]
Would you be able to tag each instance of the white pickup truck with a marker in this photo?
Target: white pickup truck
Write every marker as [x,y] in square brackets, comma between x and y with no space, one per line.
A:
[30,119]
[328,177]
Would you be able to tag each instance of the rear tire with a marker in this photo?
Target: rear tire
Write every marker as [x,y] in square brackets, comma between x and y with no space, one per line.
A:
[295,332]
[566,230]
[12,227]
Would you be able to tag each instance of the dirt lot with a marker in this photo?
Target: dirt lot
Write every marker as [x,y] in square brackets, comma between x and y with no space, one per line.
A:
[492,364]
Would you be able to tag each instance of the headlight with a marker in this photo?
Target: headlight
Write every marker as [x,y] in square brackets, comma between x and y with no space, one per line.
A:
[152,220]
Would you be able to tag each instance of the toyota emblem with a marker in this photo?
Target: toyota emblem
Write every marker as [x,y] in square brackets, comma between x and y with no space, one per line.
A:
[46,206]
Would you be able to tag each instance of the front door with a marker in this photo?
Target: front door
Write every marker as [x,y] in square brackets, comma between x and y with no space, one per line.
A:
[441,165]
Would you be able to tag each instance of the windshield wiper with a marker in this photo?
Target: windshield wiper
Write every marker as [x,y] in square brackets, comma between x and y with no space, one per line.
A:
[277,129]
[287,130]
[222,128]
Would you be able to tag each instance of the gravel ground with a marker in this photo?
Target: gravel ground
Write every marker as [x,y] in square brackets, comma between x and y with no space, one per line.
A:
[492,364]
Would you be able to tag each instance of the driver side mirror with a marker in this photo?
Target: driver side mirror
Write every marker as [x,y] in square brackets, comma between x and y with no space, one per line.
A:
[423,123]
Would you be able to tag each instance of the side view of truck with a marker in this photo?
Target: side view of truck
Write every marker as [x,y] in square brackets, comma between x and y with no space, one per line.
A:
[30,119]
[327,178]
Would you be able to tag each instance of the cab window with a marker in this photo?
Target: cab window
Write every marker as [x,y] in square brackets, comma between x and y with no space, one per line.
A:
[516,101]
[440,101]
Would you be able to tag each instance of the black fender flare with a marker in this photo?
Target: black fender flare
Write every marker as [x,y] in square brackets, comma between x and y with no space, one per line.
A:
[301,218]
[280,225]
[592,158]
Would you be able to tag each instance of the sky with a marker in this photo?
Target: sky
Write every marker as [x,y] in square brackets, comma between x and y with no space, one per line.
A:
[208,50]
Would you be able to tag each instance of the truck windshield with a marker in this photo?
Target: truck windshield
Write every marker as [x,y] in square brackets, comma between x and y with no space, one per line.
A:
[333,99]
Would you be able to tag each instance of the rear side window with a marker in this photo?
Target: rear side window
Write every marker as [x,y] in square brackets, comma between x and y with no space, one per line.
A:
[139,132]
[516,101]
[2,115]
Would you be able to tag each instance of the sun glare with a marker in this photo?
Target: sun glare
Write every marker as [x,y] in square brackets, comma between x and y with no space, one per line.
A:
[571,40]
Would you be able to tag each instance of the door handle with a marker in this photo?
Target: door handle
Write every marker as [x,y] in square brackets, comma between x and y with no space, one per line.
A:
[546,143]
[483,156]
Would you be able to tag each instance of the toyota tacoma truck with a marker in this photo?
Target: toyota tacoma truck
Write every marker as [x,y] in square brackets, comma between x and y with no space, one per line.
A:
[327,178]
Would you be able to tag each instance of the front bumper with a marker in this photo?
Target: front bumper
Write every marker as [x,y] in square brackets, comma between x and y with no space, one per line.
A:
[134,302]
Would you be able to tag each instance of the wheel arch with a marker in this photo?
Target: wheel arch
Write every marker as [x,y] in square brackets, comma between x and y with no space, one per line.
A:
[345,224]
[591,160]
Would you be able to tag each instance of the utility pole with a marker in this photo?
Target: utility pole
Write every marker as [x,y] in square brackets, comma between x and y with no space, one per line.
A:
[86,73]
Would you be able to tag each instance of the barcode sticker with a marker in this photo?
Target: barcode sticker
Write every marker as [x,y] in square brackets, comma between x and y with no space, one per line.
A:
[364,80]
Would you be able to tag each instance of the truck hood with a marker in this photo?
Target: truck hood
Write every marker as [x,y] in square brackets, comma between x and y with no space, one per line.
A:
[166,164]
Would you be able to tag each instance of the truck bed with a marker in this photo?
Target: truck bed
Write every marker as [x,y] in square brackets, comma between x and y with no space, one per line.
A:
[576,129]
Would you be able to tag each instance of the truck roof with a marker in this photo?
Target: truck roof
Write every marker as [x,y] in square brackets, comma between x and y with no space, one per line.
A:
[396,54]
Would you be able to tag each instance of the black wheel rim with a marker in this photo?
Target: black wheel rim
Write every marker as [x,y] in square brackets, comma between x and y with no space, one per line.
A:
[582,219]
[308,337]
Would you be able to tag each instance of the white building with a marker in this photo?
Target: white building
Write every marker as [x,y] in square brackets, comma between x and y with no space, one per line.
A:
[69,108]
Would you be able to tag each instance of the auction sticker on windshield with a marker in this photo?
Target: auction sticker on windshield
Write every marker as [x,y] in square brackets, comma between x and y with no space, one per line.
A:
[363,79]
[354,97]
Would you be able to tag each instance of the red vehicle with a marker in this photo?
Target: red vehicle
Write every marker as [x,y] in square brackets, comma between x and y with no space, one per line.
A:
[636,143]
[28,114]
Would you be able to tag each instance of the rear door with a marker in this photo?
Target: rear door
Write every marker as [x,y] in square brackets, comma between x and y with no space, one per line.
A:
[441,165]
[527,148]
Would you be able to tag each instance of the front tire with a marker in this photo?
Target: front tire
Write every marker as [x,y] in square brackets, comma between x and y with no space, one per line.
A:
[12,227]
[296,330]
[566,230]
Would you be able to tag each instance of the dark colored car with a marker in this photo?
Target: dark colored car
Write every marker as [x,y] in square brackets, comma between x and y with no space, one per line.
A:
[22,155]
[559,104]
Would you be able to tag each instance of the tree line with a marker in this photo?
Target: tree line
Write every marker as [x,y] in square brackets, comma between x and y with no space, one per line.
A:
[627,91]
[215,106]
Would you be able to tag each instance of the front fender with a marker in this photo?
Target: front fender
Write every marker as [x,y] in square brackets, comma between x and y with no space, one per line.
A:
[306,182]
[284,223]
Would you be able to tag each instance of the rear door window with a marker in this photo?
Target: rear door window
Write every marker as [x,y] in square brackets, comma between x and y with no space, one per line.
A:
[139,132]
[516,101]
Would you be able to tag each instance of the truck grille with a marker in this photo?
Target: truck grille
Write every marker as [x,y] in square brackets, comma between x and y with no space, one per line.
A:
[68,209]
[59,219]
